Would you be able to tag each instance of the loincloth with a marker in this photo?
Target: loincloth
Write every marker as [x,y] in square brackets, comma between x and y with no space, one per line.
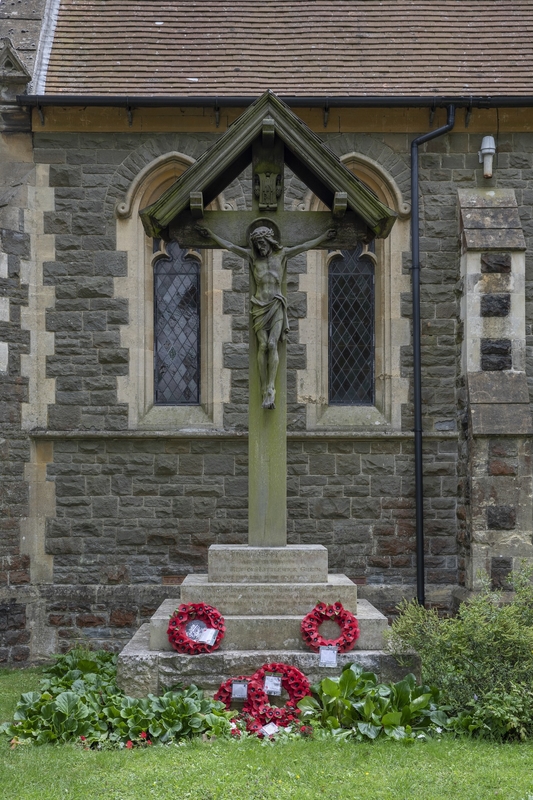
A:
[265,315]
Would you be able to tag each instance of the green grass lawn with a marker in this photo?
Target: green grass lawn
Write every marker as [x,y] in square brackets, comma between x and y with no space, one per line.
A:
[457,769]
[13,682]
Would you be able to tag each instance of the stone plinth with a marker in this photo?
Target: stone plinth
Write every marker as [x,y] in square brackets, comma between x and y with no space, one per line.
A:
[239,563]
[268,598]
[263,594]
[273,632]
[141,670]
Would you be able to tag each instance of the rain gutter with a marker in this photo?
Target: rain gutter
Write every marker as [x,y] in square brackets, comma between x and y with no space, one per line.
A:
[296,101]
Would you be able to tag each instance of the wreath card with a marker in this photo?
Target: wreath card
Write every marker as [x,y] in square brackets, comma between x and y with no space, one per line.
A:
[272,684]
[239,690]
[270,729]
[328,656]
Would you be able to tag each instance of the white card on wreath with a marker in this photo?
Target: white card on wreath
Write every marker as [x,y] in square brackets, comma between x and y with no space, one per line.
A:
[270,729]
[272,685]
[239,690]
[195,629]
[208,636]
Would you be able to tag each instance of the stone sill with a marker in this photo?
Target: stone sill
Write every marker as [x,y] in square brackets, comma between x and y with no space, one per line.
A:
[218,434]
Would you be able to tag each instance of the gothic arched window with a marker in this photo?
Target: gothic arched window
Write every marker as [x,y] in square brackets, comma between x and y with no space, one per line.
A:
[351,304]
[176,327]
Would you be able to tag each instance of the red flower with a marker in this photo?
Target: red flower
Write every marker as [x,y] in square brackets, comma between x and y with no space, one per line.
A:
[83,738]
[148,741]
[129,744]
[143,734]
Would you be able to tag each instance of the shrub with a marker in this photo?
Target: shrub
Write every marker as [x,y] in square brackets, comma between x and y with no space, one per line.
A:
[482,659]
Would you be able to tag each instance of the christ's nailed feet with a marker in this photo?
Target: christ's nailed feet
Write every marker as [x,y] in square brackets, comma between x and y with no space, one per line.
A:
[269,398]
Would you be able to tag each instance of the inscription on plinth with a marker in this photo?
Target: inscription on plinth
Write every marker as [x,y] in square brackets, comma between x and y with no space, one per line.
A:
[300,563]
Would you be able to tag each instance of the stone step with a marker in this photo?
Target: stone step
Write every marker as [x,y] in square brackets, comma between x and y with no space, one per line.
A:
[141,670]
[294,563]
[274,632]
[271,598]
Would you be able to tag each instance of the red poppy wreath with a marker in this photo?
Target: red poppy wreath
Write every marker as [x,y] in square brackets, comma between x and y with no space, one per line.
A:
[257,710]
[349,629]
[292,680]
[179,622]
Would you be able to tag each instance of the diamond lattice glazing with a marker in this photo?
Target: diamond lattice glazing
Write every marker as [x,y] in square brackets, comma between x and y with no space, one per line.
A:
[176,328]
[351,329]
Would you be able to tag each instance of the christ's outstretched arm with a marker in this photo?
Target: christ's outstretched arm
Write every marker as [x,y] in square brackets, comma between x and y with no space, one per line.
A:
[301,248]
[233,248]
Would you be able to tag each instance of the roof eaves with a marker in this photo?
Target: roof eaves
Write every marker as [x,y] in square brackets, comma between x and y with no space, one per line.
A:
[305,146]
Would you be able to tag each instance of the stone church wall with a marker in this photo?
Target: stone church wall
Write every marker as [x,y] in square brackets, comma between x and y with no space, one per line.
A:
[126,514]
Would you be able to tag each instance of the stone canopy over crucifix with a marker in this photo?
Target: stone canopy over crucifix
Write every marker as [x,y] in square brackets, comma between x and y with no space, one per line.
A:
[269,136]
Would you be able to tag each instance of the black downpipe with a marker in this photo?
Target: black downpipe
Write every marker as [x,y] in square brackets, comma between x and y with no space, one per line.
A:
[417,362]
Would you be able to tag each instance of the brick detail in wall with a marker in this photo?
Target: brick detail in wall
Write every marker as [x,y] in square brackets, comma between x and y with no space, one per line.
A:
[496,262]
[501,518]
[105,616]
[495,305]
[496,354]
[14,638]
[14,571]
[500,569]
[503,457]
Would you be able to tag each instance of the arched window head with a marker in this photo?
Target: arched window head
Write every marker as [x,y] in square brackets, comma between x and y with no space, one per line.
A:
[354,331]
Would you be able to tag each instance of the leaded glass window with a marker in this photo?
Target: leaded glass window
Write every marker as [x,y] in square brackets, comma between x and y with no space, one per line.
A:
[176,328]
[351,328]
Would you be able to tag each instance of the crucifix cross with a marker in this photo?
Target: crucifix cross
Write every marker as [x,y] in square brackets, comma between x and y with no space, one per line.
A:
[266,237]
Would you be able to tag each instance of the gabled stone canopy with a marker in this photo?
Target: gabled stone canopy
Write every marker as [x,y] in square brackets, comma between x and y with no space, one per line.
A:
[12,70]
[304,153]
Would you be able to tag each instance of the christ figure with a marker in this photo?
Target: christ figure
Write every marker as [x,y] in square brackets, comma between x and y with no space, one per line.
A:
[268,263]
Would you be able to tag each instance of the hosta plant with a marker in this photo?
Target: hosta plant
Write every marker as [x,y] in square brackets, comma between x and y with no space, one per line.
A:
[80,702]
[357,703]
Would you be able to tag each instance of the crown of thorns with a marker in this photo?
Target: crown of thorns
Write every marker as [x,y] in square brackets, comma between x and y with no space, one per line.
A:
[264,232]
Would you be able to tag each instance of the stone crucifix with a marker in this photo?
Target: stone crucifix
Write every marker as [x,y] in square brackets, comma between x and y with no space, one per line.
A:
[277,145]
[267,259]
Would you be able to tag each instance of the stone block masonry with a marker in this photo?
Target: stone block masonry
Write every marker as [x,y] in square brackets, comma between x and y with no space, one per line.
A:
[128,513]
[133,511]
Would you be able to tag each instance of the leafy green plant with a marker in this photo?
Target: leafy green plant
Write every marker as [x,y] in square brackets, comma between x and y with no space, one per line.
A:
[499,714]
[79,701]
[355,702]
[482,659]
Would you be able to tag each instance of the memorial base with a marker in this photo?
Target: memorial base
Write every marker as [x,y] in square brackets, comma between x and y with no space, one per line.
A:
[263,594]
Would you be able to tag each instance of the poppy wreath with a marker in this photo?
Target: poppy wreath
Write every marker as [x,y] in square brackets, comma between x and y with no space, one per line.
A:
[349,629]
[186,612]
[257,705]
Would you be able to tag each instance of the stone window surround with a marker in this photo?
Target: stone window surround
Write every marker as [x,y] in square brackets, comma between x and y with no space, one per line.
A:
[137,388]
[392,331]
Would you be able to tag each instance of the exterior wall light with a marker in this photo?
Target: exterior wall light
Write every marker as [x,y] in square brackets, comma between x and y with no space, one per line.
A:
[486,154]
